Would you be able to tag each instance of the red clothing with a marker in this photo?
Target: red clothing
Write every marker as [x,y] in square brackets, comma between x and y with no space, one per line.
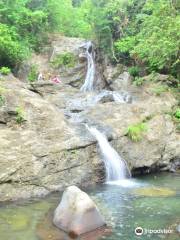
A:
[56,79]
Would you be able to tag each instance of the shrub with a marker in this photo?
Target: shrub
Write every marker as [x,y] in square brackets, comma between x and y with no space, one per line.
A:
[152,35]
[177,114]
[2,100]
[5,70]
[135,132]
[134,71]
[66,59]
[138,81]
[33,74]
[159,90]
[20,115]
[11,50]
[125,45]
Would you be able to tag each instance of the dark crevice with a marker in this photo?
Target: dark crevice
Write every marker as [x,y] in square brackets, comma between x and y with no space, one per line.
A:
[3,123]
[73,84]
[76,111]
[144,170]
[69,168]
[81,147]
[35,91]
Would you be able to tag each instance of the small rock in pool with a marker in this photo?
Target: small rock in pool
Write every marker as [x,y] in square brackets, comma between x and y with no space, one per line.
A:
[77,213]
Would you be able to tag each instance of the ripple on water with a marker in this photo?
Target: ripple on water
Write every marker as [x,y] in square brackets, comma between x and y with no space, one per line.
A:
[122,208]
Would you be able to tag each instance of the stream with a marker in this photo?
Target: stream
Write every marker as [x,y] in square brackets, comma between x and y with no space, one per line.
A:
[123,206]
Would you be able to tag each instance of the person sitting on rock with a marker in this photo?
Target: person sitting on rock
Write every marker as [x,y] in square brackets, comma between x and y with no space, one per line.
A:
[40,77]
[56,79]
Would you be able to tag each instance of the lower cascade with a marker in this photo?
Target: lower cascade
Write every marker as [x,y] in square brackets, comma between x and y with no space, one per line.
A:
[116,167]
[89,80]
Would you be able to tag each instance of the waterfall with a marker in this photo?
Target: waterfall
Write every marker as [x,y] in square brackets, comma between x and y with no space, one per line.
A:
[109,96]
[116,167]
[90,75]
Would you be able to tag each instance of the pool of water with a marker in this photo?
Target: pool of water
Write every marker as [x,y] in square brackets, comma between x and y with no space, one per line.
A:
[151,202]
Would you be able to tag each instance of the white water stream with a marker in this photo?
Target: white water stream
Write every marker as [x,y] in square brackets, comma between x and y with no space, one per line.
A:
[116,167]
[89,80]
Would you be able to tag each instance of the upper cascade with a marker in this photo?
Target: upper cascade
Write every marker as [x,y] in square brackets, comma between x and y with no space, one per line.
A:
[91,69]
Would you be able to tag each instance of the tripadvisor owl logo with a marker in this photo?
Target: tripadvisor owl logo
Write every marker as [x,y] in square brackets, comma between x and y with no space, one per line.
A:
[139,231]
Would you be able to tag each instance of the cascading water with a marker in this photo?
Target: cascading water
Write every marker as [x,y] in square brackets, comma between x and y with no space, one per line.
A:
[89,80]
[116,167]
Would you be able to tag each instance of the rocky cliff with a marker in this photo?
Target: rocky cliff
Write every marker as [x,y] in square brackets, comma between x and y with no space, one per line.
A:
[44,144]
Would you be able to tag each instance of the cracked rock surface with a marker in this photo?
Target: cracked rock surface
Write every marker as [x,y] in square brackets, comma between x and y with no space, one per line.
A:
[52,149]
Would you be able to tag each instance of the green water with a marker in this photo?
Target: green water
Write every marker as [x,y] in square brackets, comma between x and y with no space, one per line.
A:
[123,208]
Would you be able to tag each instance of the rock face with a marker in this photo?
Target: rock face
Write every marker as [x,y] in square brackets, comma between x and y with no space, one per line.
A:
[66,49]
[123,82]
[77,213]
[45,152]
[51,148]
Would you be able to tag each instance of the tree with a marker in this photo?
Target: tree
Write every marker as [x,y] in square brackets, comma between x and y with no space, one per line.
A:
[11,51]
[152,37]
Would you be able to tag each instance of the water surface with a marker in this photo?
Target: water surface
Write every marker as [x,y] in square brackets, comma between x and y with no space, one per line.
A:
[122,204]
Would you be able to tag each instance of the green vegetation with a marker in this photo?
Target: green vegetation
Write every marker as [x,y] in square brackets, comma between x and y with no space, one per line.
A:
[174,114]
[25,25]
[138,81]
[159,90]
[151,37]
[176,118]
[135,132]
[177,114]
[67,60]
[2,98]
[5,70]
[33,74]
[142,34]
[134,71]
[20,115]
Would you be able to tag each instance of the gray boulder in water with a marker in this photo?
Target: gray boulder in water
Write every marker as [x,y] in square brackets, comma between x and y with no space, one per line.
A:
[77,213]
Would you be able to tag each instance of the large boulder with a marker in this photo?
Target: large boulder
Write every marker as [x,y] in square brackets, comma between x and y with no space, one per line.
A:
[77,213]
[122,82]
[44,152]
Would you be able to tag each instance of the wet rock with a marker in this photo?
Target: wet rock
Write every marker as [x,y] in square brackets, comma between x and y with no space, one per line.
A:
[72,75]
[47,231]
[77,213]
[75,75]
